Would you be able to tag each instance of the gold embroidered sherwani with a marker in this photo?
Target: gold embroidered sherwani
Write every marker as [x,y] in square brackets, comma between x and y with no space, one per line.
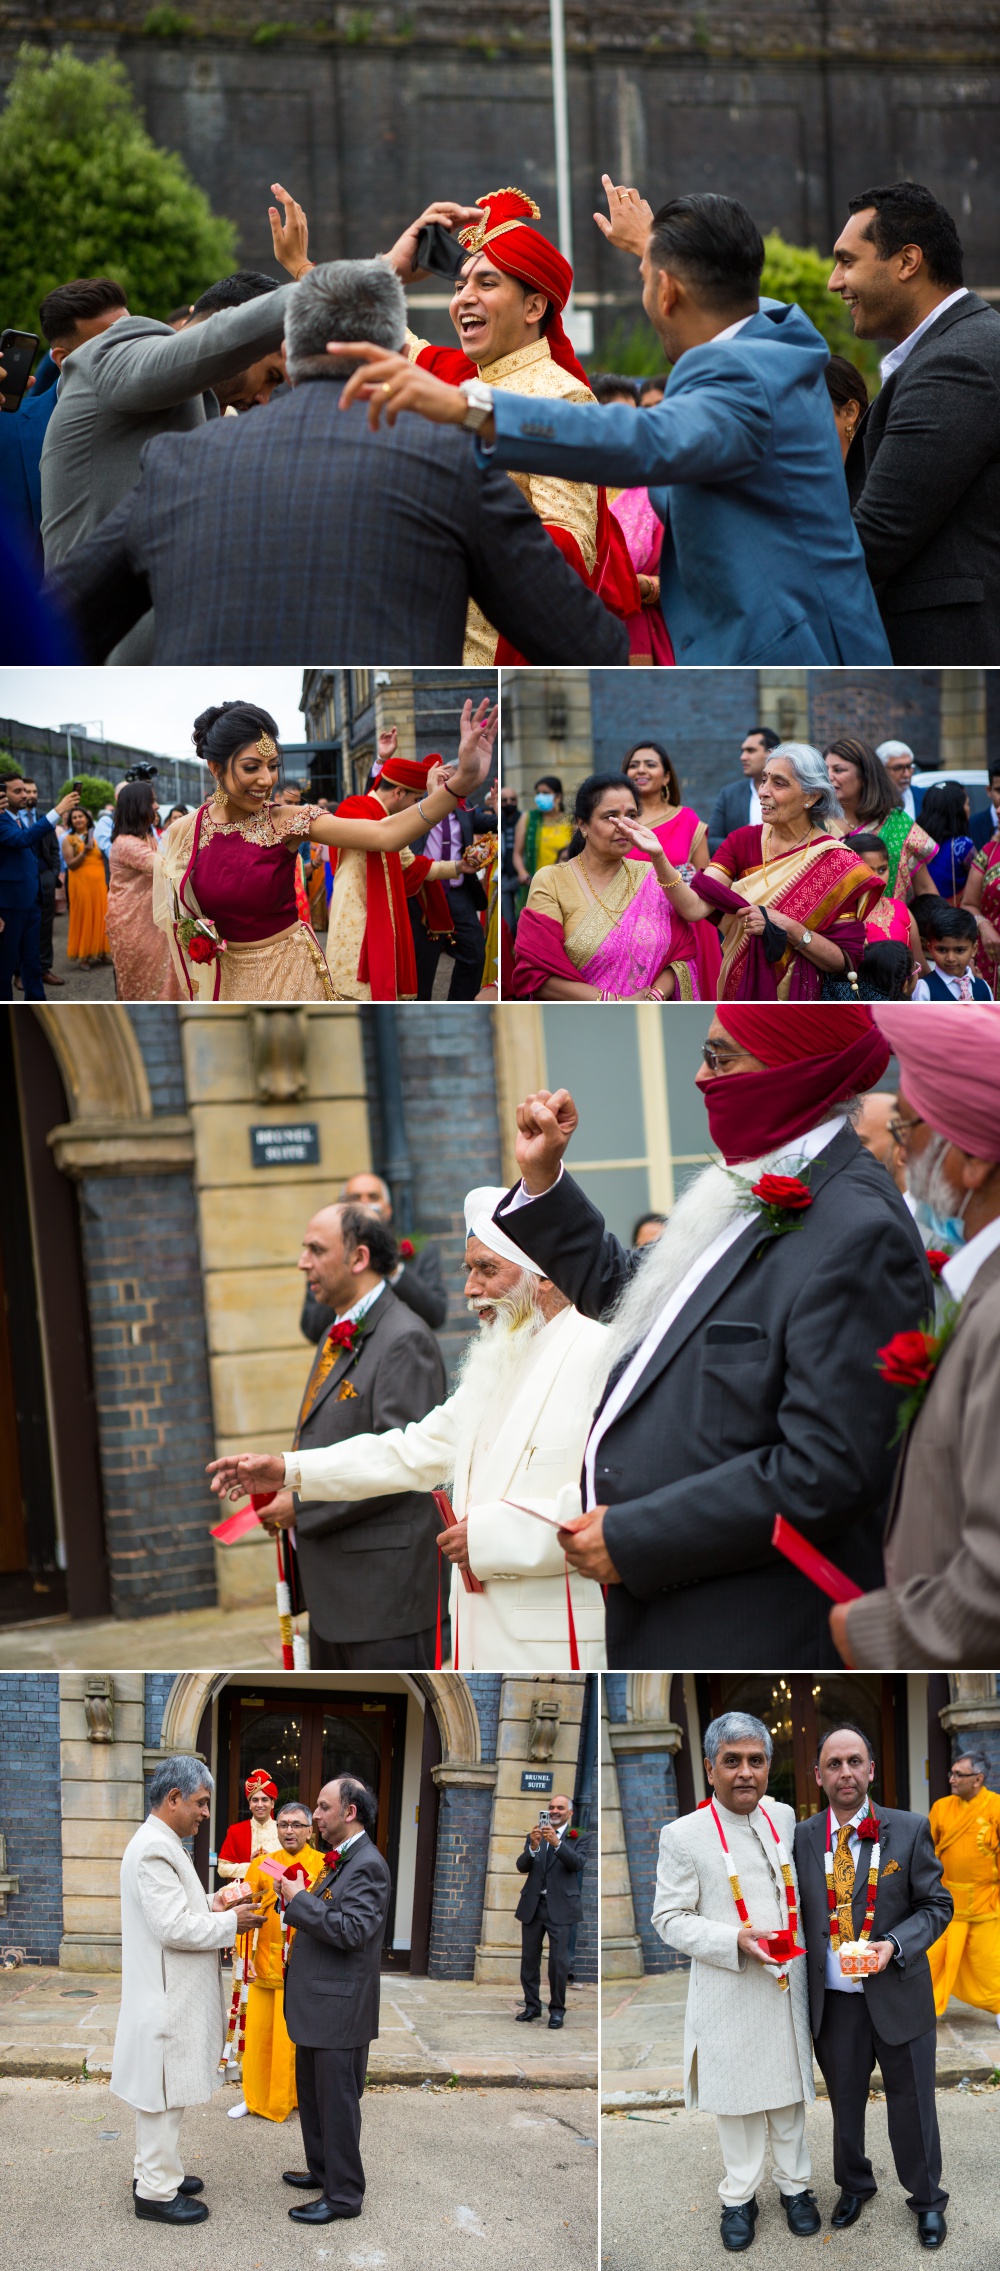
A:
[348,921]
[571,505]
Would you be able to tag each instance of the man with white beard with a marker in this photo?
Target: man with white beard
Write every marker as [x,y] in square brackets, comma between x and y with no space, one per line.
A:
[742,1380]
[941,1600]
[510,1436]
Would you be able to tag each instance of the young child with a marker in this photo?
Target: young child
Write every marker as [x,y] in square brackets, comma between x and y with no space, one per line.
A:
[950,936]
[889,918]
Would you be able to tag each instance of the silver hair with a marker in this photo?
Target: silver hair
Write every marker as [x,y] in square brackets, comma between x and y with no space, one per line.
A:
[342,299]
[809,767]
[976,1759]
[887,749]
[179,1773]
[736,1727]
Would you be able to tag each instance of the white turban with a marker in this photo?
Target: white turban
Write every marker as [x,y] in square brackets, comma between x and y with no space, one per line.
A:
[480,1206]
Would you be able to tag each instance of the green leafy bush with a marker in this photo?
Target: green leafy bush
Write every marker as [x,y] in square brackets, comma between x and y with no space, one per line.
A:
[93,792]
[8,764]
[270,35]
[84,191]
[792,272]
[167,23]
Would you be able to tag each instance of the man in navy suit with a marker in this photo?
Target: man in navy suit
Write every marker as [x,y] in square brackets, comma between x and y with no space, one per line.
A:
[20,901]
[735,804]
[67,317]
[761,563]
[984,824]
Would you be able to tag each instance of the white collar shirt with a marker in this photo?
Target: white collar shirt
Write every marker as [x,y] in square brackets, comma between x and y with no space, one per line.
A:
[834,1976]
[960,1273]
[896,357]
[353,1316]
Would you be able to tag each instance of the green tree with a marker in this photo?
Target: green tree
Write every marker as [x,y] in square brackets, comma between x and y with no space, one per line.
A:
[94,793]
[792,272]
[84,191]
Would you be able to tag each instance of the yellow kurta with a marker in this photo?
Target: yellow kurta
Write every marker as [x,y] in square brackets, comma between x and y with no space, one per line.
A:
[269,2055]
[563,504]
[965,1961]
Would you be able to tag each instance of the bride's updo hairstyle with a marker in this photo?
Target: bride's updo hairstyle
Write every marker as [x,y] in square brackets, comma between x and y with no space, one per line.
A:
[220,733]
[588,797]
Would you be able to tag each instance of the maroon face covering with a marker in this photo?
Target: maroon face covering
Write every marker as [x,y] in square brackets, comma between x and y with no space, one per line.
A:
[816,1054]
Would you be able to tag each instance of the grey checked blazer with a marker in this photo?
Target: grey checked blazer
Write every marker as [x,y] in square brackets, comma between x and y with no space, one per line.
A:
[332,1981]
[295,531]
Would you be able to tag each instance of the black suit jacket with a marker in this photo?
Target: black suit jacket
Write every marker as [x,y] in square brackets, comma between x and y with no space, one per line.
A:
[332,1981]
[419,1284]
[911,1906]
[923,472]
[730,810]
[982,826]
[558,1870]
[369,1566]
[761,1399]
[295,530]
[471,884]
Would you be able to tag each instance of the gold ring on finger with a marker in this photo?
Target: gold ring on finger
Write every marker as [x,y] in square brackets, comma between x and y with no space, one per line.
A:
[386,387]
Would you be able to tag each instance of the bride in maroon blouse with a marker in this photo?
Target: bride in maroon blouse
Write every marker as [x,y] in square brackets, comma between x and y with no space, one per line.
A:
[224,880]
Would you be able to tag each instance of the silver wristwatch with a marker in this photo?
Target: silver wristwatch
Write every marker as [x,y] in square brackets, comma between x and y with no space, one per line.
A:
[806,938]
[478,402]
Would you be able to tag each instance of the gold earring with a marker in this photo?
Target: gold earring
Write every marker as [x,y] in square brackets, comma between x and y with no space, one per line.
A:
[220,796]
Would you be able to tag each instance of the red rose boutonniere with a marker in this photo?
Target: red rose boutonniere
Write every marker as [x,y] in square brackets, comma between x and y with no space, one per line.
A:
[869,1828]
[200,940]
[330,1860]
[406,1249]
[936,1259]
[343,1334]
[910,1360]
[572,1833]
[781,1196]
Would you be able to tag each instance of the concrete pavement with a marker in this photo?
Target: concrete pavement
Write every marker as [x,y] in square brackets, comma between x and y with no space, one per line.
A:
[238,1640]
[642,2041]
[61,2024]
[661,2170]
[513,2174]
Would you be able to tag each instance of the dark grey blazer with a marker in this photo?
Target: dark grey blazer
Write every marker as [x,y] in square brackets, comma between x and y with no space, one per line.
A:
[911,1904]
[419,1284]
[332,1981]
[294,530]
[730,810]
[924,477]
[369,1567]
[558,1870]
[761,1399]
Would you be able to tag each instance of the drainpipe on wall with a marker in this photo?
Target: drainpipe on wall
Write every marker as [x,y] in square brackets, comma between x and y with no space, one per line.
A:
[397,1165]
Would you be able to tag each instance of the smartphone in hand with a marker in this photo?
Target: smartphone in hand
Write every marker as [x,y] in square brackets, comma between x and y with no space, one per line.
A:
[17,353]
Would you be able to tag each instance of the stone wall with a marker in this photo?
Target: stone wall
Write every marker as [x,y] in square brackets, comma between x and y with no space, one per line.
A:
[498,1954]
[30,1813]
[103,1804]
[42,755]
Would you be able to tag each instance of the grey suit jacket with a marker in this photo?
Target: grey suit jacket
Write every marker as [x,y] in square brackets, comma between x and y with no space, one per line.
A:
[924,477]
[419,1284]
[730,810]
[911,1905]
[135,380]
[941,1603]
[762,1398]
[369,1567]
[296,531]
[332,1981]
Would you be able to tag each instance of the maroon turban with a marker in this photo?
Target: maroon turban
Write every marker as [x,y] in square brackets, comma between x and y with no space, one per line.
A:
[816,1053]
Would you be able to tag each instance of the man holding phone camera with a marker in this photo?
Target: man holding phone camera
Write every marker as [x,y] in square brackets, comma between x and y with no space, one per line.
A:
[20,896]
[553,1860]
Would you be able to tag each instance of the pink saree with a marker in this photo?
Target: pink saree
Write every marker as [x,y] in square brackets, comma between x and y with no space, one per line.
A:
[625,939]
[677,837]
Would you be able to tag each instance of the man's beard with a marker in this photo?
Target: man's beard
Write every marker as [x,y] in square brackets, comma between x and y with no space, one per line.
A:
[705,1208]
[927,1181]
[497,1358]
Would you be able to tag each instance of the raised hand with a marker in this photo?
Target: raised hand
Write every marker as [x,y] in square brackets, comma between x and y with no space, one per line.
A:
[246,1474]
[645,839]
[388,743]
[629,220]
[545,1123]
[403,253]
[289,233]
[477,734]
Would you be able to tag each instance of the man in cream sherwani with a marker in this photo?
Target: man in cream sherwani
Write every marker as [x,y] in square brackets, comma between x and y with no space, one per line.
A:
[514,1430]
[747,2047]
[173,2023]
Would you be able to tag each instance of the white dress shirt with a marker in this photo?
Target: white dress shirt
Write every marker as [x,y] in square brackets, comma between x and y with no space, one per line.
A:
[961,1271]
[897,355]
[731,330]
[922,991]
[835,1978]
[755,817]
[805,1148]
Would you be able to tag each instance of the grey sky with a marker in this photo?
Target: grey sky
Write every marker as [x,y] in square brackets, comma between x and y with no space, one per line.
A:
[149,709]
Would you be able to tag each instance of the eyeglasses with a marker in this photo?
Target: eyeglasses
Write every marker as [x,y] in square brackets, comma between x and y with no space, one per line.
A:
[901,1130]
[714,1056]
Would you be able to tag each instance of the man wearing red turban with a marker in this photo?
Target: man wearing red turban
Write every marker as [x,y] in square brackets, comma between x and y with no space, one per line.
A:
[941,1600]
[507,311]
[742,1380]
[370,942]
[246,1841]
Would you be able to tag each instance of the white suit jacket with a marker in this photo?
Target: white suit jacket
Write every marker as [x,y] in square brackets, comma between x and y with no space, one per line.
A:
[172,2024]
[520,1622]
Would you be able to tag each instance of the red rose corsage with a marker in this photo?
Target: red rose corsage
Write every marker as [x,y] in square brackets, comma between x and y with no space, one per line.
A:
[572,1833]
[936,1259]
[869,1828]
[910,1360]
[782,1194]
[200,940]
[406,1249]
[343,1335]
[330,1860]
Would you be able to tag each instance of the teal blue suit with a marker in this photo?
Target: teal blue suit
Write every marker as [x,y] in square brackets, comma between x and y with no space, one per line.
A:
[761,562]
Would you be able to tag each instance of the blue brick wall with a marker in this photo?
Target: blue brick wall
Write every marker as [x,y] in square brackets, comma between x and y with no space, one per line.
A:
[157,1030]
[145,1292]
[701,716]
[647,1785]
[459,1882]
[485,1688]
[157,1692]
[985,1739]
[878,705]
[31,1811]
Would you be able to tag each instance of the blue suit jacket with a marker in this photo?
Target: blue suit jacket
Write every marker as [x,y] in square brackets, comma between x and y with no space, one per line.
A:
[21,438]
[730,810]
[19,884]
[761,562]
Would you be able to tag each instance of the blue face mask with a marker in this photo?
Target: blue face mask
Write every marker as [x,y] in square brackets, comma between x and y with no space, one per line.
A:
[544,800]
[944,1230]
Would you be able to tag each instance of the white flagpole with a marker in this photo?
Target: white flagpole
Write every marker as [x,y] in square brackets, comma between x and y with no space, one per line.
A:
[560,109]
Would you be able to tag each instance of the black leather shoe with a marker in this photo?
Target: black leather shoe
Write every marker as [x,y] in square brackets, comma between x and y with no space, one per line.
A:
[737,2226]
[320,2212]
[931,2227]
[179,2210]
[188,2185]
[301,2178]
[556,2018]
[848,2209]
[803,2215]
[524,2018]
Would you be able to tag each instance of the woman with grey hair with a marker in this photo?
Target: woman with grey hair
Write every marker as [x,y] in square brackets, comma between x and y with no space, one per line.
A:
[790,898]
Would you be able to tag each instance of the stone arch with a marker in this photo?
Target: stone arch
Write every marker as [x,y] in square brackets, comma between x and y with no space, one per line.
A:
[448,1693]
[100,1060]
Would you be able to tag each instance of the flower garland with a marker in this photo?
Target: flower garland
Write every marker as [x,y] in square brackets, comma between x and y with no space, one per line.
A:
[742,1910]
[910,1360]
[868,1830]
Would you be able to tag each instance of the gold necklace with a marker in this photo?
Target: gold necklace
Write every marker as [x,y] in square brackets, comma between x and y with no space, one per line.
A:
[766,833]
[254,827]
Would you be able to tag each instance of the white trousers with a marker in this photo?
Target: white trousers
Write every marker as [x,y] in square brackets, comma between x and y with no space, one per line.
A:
[158,2167]
[744,2138]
